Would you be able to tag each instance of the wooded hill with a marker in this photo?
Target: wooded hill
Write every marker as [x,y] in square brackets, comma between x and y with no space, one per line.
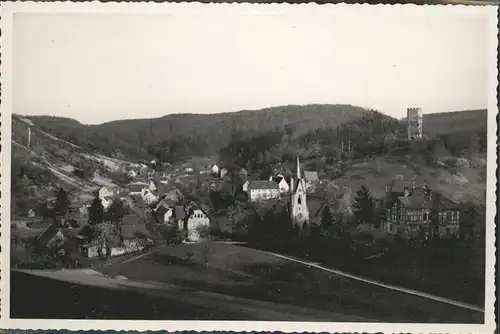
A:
[192,134]
[179,135]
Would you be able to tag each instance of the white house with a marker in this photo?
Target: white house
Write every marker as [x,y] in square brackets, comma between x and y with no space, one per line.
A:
[245,186]
[282,184]
[215,169]
[152,186]
[263,190]
[136,188]
[106,195]
[106,192]
[148,197]
[223,172]
[196,219]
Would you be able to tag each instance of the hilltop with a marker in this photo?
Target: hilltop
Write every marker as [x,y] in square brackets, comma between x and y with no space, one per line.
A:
[192,134]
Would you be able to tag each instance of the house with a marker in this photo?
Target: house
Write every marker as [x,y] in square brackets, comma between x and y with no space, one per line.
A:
[148,197]
[162,214]
[223,173]
[134,238]
[92,250]
[262,190]
[196,218]
[105,192]
[215,169]
[421,213]
[152,186]
[137,187]
[243,175]
[189,170]
[244,187]
[281,181]
[311,177]
[51,237]
[31,213]
[132,174]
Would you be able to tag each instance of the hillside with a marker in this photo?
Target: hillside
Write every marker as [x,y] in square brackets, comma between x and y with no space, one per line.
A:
[45,163]
[193,133]
[457,121]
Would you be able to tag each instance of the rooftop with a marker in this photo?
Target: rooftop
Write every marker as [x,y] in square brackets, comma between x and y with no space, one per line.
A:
[263,185]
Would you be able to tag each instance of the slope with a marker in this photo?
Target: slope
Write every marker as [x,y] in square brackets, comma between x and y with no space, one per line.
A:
[205,133]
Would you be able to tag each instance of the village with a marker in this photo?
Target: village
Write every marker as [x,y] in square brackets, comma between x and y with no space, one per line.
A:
[161,204]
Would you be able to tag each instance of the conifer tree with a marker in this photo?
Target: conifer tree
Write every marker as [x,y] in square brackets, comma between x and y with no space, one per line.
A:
[96,211]
[363,205]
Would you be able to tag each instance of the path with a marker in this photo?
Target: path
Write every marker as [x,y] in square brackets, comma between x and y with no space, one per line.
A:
[383,285]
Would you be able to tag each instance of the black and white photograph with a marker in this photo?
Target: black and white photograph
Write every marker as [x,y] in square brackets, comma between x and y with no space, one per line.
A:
[267,163]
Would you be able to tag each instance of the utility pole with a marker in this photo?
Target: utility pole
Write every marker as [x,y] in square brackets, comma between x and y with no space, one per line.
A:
[29,136]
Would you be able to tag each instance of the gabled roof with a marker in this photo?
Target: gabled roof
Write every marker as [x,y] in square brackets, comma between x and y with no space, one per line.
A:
[179,212]
[263,185]
[399,186]
[48,234]
[311,175]
[420,201]
[161,210]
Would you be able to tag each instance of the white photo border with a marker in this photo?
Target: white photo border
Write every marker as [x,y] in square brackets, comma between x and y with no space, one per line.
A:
[8,11]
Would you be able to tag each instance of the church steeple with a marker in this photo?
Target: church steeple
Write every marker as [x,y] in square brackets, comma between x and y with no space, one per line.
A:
[298,168]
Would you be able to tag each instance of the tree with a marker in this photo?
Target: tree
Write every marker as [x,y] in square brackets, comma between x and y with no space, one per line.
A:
[116,211]
[62,203]
[363,205]
[96,211]
[326,218]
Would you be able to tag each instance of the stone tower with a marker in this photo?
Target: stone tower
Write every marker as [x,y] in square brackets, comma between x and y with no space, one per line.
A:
[414,123]
[299,211]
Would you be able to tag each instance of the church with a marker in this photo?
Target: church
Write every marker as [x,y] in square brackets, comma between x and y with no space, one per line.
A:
[299,211]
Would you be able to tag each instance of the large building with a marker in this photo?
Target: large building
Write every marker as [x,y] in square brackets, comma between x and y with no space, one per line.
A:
[410,211]
[262,190]
[414,123]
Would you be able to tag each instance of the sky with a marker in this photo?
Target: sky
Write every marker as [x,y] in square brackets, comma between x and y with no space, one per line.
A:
[102,67]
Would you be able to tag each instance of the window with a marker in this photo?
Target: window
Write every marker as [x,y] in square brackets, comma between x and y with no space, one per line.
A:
[426,216]
[448,216]
[299,200]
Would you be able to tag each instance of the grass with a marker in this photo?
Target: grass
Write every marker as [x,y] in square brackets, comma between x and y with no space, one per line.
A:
[248,273]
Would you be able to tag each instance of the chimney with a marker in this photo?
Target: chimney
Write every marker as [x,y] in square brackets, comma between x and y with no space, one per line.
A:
[291,185]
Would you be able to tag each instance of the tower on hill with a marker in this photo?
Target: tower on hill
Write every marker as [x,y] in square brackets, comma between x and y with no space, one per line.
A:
[414,123]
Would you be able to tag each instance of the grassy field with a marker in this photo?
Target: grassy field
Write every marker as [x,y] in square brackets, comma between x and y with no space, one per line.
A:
[247,273]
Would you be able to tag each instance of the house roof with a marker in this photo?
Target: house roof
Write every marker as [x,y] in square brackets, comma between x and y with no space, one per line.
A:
[263,185]
[130,219]
[399,186]
[48,234]
[179,212]
[311,175]
[420,201]
[161,210]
